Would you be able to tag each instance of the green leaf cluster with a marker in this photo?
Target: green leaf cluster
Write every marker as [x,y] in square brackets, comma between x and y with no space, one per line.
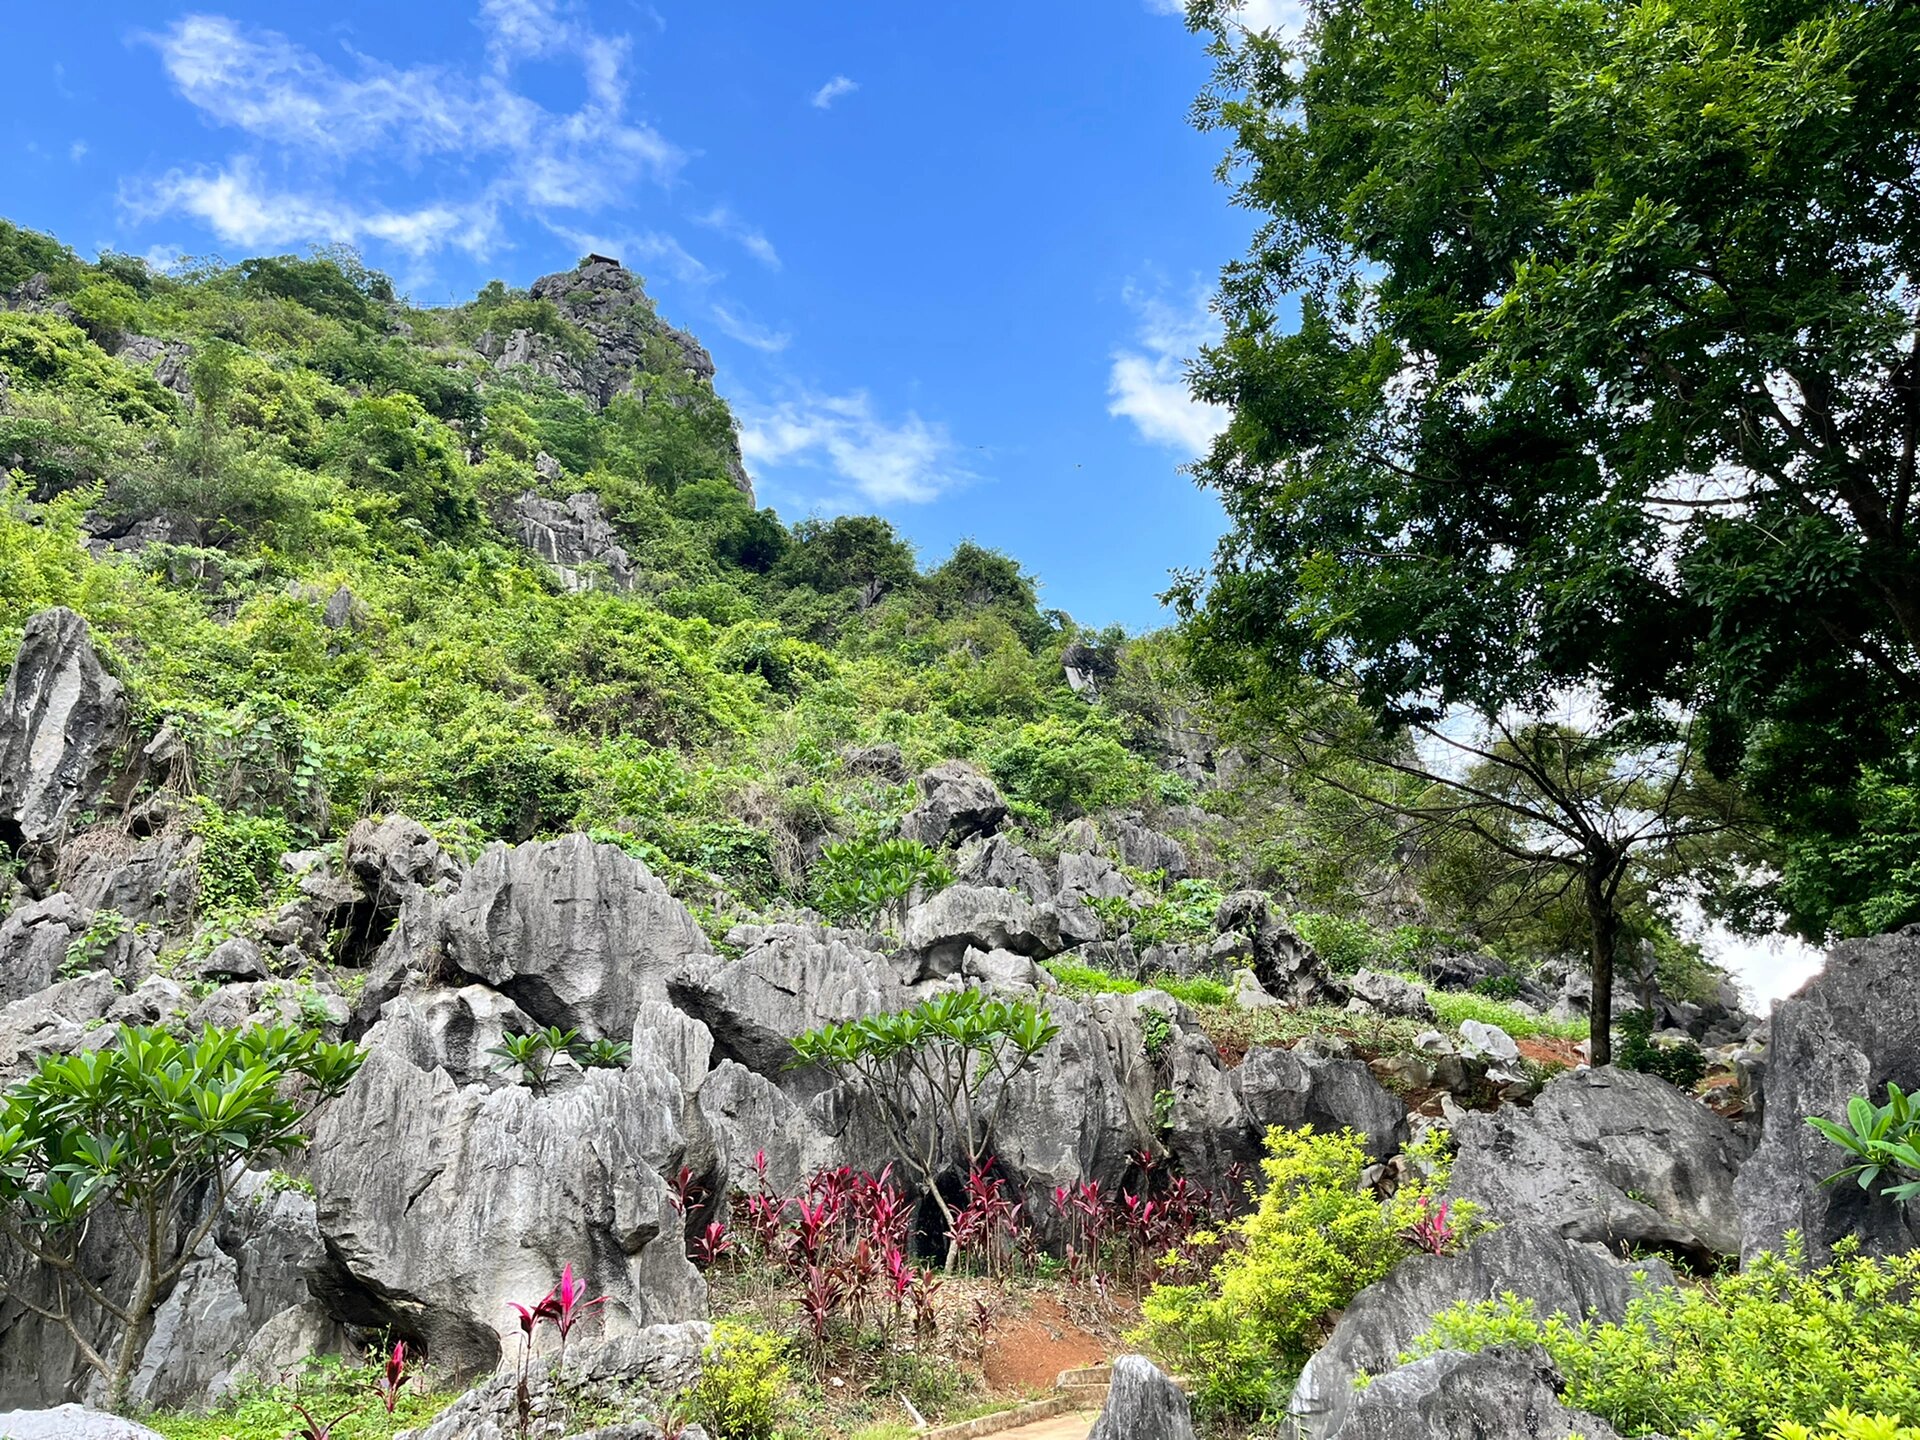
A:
[1775,1344]
[1883,1141]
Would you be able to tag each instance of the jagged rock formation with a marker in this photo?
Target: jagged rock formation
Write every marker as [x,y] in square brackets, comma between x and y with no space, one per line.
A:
[1609,1156]
[1524,1259]
[63,721]
[1846,1032]
[606,302]
[1143,1404]
[573,537]
[1506,1393]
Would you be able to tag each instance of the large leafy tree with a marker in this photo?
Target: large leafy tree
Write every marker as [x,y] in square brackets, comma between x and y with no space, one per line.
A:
[1577,351]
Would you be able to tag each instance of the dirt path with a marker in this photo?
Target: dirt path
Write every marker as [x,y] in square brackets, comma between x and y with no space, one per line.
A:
[1073,1425]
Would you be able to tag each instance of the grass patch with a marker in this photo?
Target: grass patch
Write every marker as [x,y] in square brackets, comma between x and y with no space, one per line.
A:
[326,1387]
[1078,979]
[1453,1006]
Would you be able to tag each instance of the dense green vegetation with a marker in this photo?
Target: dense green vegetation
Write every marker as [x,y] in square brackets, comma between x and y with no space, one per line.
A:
[1779,1342]
[1534,394]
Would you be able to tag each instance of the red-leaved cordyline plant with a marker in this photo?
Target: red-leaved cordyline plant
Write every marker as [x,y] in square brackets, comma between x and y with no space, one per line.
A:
[688,1192]
[312,1429]
[926,1285]
[387,1386]
[1433,1229]
[709,1247]
[569,1304]
[522,1396]
[819,1303]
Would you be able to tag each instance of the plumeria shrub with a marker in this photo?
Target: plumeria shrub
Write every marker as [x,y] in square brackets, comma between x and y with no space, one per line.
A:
[1752,1356]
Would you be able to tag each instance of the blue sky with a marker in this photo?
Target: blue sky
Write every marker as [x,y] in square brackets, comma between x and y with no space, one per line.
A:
[948,256]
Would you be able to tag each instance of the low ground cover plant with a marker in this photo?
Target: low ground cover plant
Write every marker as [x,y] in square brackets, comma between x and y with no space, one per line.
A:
[1771,1347]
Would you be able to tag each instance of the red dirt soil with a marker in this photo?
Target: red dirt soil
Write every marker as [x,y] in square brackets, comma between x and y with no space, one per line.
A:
[1027,1352]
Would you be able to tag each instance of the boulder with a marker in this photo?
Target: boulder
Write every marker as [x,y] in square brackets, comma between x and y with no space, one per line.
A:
[63,722]
[1846,1032]
[441,1205]
[1286,966]
[1611,1156]
[575,539]
[957,802]
[1002,972]
[153,880]
[789,979]
[575,933]
[34,940]
[391,856]
[997,861]
[1144,848]
[55,1020]
[1481,1041]
[1505,1393]
[1142,1404]
[940,931]
[1298,1087]
[1377,994]
[454,1029]
[71,1422]
[168,359]
[882,762]
[1524,1260]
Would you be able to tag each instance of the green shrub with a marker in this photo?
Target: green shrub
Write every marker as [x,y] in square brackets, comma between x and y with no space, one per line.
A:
[1197,990]
[741,1392]
[1882,1142]
[1778,1342]
[858,880]
[1845,1424]
[1077,978]
[1682,1065]
[1346,945]
[239,862]
[257,1411]
[1067,767]
[1317,1239]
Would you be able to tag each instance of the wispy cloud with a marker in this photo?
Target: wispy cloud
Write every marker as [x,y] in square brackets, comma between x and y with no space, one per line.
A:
[1147,383]
[748,237]
[1284,16]
[238,206]
[649,251]
[77,151]
[750,332]
[906,461]
[319,119]
[831,91]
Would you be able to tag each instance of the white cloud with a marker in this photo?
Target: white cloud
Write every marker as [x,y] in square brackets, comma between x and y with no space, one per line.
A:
[1147,383]
[644,250]
[749,238]
[831,91]
[750,332]
[326,116]
[77,151]
[1284,16]
[161,259]
[238,206]
[908,461]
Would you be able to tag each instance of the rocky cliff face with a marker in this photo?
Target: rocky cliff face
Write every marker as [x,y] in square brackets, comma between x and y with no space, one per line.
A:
[607,304]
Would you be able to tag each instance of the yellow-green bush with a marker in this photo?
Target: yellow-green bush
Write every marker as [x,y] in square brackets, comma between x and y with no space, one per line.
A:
[1750,1357]
[741,1392]
[1315,1241]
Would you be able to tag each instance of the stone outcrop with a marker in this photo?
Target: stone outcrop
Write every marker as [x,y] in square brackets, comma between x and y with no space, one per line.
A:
[606,303]
[1302,1086]
[1286,966]
[1143,1404]
[71,1422]
[442,1204]
[575,933]
[939,932]
[574,538]
[957,803]
[1506,1393]
[63,722]
[1611,1156]
[789,979]
[1846,1032]
[1525,1260]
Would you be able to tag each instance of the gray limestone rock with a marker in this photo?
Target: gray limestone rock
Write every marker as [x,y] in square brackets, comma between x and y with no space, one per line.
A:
[63,723]
[957,802]
[71,1422]
[1525,1260]
[441,1204]
[575,933]
[1846,1032]
[1299,1087]
[1611,1156]
[940,931]
[1506,1393]
[1388,995]
[574,537]
[1143,1404]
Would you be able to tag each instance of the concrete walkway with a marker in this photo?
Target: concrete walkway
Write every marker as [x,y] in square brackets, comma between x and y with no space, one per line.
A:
[1072,1425]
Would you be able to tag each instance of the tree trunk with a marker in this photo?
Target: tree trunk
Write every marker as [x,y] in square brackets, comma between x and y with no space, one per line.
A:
[1604,930]
[128,1353]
